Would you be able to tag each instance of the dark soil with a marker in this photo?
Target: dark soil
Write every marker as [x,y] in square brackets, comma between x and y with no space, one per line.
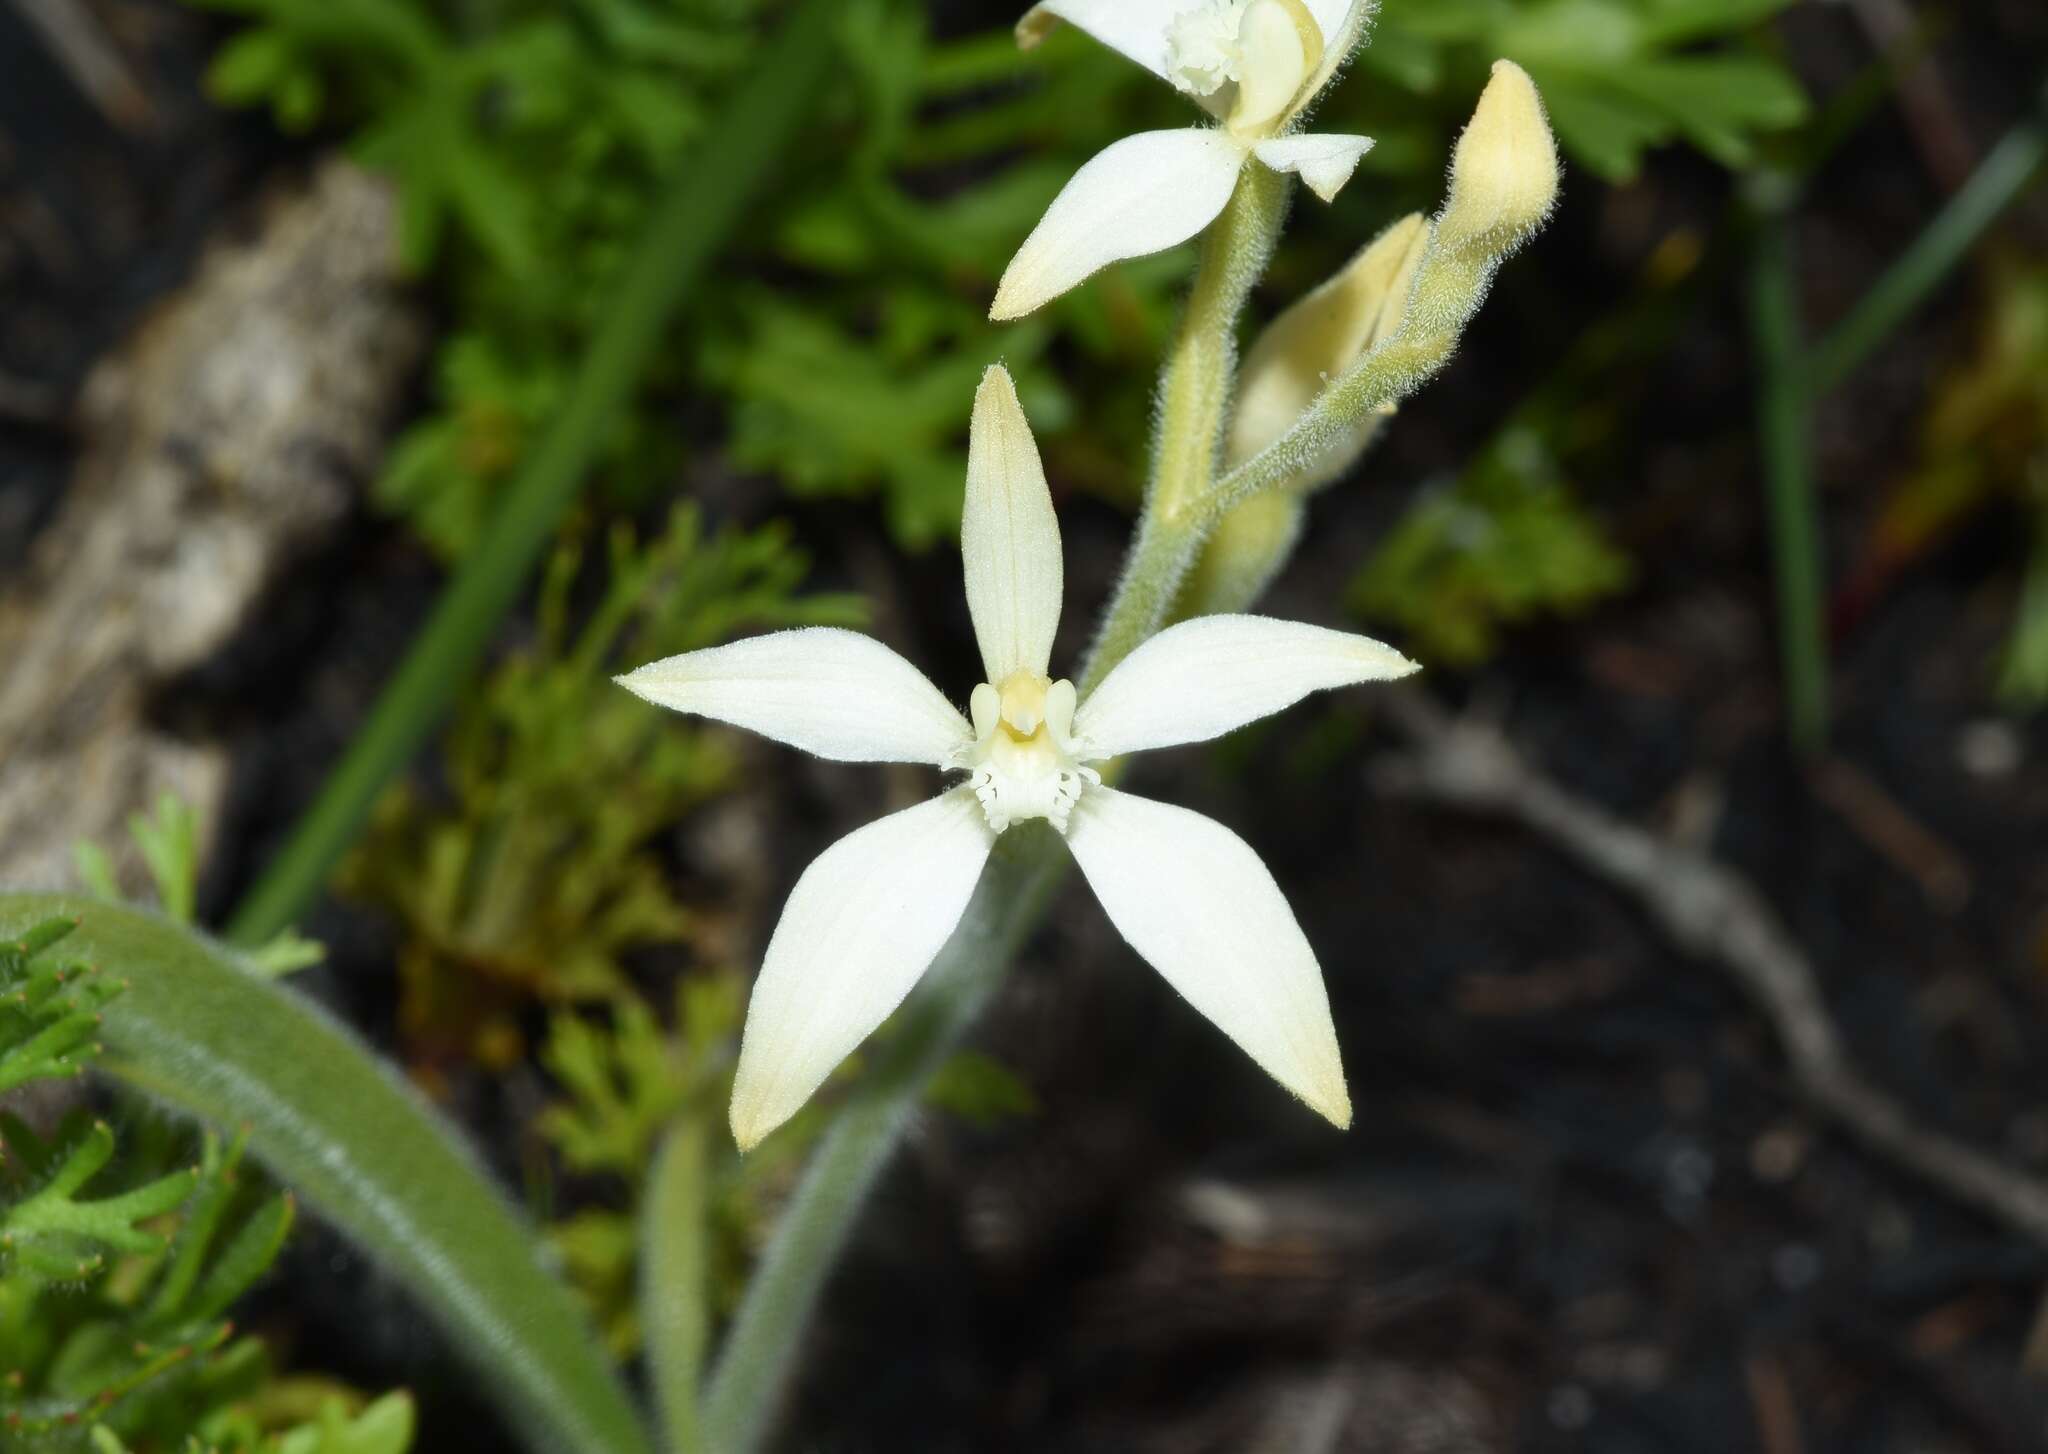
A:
[1580,1209]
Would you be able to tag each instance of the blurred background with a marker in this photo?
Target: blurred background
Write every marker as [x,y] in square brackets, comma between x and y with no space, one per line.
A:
[1731,516]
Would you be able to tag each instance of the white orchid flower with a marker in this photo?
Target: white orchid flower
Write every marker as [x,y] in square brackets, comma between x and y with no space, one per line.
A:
[1254,65]
[869,916]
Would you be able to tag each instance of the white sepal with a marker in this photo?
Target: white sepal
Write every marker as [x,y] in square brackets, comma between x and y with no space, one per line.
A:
[1214,674]
[1325,160]
[833,693]
[1009,537]
[1343,23]
[1138,196]
[1196,902]
[1281,44]
[863,923]
[1136,29]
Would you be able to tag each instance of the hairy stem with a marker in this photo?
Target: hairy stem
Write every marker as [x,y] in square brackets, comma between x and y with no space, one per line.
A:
[1449,287]
[1194,400]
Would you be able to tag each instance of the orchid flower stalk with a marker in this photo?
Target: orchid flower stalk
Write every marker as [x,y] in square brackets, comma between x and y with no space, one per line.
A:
[1233,464]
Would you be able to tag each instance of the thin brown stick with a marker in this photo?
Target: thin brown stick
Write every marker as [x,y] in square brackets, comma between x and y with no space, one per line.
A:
[1715,915]
[81,47]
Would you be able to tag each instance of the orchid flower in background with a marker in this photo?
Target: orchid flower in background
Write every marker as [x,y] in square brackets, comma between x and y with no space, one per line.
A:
[1254,65]
[869,916]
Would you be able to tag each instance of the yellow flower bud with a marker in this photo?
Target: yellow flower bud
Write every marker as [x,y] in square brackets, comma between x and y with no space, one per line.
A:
[1321,336]
[1504,173]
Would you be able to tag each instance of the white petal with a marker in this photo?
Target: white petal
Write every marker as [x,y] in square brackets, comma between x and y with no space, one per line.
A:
[1282,45]
[1343,23]
[1332,15]
[1135,28]
[1213,674]
[1009,537]
[1138,196]
[1195,901]
[1325,160]
[834,693]
[863,923]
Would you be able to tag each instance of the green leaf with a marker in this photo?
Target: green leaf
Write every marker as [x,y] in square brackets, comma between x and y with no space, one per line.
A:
[385,1427]
[170,847]
[207,1037]
[674,1280]
[980,1089]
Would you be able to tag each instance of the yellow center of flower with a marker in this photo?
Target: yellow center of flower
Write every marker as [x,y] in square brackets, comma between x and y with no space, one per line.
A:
[1022,764]
[1269,48]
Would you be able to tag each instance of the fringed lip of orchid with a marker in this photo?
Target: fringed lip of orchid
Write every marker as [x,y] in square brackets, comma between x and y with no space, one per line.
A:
[1253,65]
[869,916]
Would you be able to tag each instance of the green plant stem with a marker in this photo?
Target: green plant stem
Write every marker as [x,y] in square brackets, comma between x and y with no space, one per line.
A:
[1449,287]
[674,1307]
[198,1030]
[814,1227]
[1998,181]
[1195,385]
[686,232]
[1194,393]
[1783,428]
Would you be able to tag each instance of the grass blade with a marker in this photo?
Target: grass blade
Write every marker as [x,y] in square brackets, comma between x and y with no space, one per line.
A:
[1782,435]
[674,1308]
[685,234]
[1999,179]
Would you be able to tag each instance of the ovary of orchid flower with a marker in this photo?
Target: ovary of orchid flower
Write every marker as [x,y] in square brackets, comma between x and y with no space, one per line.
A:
[871,913]
[1254,65]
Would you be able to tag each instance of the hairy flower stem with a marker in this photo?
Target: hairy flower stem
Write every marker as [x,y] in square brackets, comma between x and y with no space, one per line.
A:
[1449,287]
[1013,895]
[1194,398]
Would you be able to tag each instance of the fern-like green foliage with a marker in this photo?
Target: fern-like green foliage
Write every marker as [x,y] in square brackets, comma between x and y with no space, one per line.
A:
[49,1008]
[116,1278]
[1501,544]
[531,878]
[1619,77]
[529,141]
[168,843]
[625,1084]
[106,1316]
[277,1422]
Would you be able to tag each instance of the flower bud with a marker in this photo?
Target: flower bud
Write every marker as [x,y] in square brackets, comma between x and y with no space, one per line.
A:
[1321,336]
[1244,554]
[1504,172]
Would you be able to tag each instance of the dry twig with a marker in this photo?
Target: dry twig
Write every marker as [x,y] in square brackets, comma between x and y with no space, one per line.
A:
[90,58]
[1714,914]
